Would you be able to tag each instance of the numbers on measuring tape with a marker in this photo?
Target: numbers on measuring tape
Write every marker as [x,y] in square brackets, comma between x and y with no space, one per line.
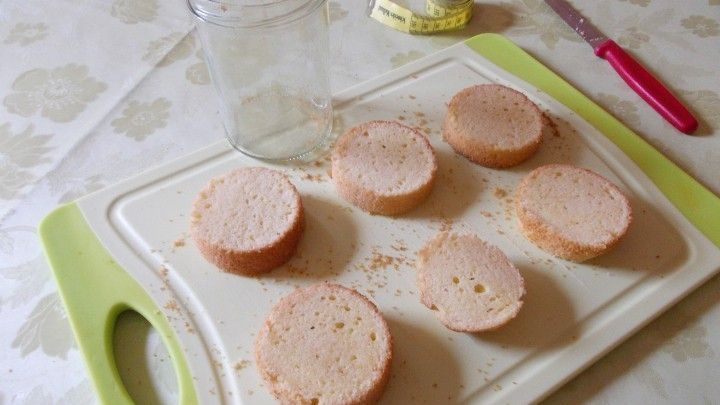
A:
[453,14]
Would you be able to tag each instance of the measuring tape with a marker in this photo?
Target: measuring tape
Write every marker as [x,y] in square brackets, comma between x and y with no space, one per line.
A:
[443,15]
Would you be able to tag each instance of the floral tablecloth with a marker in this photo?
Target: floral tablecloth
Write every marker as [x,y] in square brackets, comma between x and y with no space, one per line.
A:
[93,92]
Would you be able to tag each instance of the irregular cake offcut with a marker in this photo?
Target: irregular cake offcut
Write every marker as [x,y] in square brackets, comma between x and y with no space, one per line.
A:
[470,283]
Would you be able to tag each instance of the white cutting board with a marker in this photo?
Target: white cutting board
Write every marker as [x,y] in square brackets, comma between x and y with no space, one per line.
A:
[573,313]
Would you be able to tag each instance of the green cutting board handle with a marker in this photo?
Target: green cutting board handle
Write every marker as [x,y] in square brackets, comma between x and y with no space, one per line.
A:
[698,204]
[95,291]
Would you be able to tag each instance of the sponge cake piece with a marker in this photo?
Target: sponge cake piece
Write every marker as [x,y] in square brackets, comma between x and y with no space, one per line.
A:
[383,167]
[324,344]
[493,125]
[248,221]
[571,212]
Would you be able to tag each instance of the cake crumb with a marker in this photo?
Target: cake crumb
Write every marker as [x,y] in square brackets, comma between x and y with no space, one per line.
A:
[312,177]
[379,260]
[241,364]
[551,124]
[500,192]
[172,306]
[399,246]
[445,225]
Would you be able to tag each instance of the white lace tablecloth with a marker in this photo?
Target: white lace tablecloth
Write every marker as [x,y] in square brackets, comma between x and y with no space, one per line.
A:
[93,92]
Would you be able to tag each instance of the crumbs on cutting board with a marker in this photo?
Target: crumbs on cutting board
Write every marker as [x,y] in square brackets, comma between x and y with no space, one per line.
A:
[399,246]
[172,306]
[318,177]
[419,122]
[310,172]
[373,266]
[444,224]
[550,123]
[299,267]
[179,242]
[240,365]
[378,260]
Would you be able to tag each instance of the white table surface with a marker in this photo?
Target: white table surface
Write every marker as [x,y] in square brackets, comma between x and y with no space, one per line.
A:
[93,92]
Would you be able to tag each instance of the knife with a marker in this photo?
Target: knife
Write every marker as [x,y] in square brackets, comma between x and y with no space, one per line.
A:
[635,75]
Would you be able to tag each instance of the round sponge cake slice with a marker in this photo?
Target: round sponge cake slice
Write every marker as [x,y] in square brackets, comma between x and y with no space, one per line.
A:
[471,284]
[493,125]
[571,212]
[383,167]
[247,221]
[324,344]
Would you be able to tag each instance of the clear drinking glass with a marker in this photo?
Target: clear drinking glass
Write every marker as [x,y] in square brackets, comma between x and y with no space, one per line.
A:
[268,60]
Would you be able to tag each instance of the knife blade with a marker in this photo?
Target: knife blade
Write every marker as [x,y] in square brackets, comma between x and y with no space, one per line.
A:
[631,71]
[581,25]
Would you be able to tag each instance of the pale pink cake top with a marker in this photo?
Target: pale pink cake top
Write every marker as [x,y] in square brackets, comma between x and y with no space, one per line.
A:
[575,202]
[385,157]
[245,209]
[496,116]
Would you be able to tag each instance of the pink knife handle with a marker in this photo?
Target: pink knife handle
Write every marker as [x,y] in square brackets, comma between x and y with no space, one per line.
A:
[647,86]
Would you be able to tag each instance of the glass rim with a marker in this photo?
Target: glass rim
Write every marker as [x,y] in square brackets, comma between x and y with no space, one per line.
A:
[248,3]
[236,22]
